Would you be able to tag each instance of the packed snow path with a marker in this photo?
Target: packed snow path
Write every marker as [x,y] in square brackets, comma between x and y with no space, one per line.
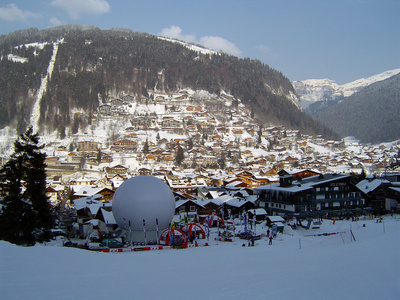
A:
[43,86]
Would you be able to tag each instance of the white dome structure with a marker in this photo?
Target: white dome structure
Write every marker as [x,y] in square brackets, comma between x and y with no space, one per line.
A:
[143,198]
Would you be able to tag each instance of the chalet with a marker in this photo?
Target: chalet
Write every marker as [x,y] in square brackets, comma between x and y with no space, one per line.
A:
[83,181]
[210,206]
[100,193]
[316,195]
[106,158]
[170,122]
[298,174]
[168,158]
[128,144]
[116,181]
[374,191]
[393,197]
[74,158]
[259,213]
[52,194]
[118,169]
[144,171]
[187,206]
[88,146]
[261,161]
[52,160]
[236,206]
[106,215]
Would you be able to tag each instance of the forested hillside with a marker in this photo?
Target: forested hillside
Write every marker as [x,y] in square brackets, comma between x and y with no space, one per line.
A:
[92,65]
[371,115]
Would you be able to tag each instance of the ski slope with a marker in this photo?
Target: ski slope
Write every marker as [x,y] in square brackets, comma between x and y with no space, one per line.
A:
[295,266]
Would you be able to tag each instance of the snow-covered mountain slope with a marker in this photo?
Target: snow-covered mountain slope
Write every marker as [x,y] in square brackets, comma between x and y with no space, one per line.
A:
[313,90]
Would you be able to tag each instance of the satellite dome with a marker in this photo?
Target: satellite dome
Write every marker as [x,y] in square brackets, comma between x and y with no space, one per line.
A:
[143,198]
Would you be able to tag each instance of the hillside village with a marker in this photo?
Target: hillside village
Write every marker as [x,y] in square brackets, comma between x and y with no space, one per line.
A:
[214,157]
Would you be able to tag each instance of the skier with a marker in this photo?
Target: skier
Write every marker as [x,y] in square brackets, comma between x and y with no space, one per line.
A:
[270,240]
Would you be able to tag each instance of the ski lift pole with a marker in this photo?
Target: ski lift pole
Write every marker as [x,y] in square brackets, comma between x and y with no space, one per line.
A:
[255,222]
[144,231]
[107,237]
[130,233]
[157,230]
[208,228]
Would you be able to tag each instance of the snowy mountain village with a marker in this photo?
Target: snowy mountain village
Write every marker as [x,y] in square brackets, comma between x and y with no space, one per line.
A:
[224,171]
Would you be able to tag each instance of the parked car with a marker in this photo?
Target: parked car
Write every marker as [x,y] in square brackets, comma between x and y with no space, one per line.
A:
[112,243]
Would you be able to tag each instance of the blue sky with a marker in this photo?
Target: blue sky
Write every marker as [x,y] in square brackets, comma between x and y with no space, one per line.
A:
[343,40]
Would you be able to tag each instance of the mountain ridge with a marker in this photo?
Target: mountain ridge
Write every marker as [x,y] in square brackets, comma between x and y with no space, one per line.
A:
[311,91]
[372,114]
[93,65]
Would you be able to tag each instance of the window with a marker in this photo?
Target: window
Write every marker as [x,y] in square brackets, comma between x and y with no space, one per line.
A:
[192,208]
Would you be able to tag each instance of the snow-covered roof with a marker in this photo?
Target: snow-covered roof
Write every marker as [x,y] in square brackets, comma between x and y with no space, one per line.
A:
[84,202]
[396,189]
[236,202]
[184,201]
[204,202]
[303,185]
[214,194]
[258,211]
[274,219]
[86,190]
[108,217]
[367,186]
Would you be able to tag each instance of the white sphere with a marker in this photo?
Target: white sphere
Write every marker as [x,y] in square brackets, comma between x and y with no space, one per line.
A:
[143,198]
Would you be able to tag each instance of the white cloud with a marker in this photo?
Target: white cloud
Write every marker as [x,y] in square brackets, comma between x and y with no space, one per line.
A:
[78,7]
[11,12]
[213,42]
[220,44]
[55,22]
[175,32]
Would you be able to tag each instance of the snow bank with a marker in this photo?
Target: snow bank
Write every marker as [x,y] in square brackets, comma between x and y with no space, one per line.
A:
[326,267]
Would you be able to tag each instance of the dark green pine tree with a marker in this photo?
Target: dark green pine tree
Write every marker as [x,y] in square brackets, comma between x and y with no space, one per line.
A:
[146,147]
[98,157]
[26,216]
[179,156]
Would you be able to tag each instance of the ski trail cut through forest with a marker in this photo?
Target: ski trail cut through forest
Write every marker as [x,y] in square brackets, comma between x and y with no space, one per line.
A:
[43,86]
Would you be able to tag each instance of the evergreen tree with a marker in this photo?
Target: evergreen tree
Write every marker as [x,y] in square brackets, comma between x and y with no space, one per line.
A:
[146,147]
[221,161]
[190,143]
[26,216]
[179,156]
[98,158]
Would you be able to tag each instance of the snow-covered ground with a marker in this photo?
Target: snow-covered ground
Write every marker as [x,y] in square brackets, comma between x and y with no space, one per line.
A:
[296,266]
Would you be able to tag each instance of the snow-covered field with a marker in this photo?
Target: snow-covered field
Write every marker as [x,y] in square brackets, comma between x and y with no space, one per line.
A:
[296,266]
